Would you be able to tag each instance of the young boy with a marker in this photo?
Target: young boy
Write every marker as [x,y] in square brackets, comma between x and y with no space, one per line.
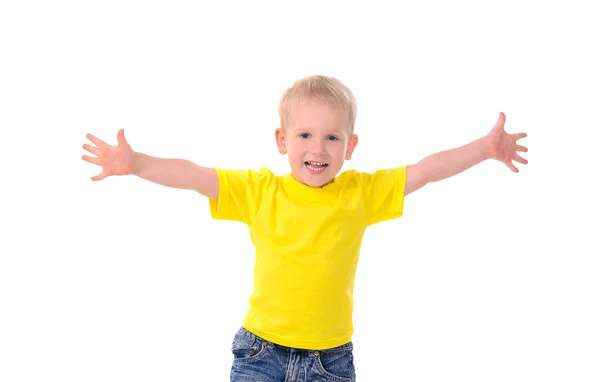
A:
[306,226]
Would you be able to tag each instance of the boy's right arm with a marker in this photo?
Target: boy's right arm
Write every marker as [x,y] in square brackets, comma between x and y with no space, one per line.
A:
[176,173]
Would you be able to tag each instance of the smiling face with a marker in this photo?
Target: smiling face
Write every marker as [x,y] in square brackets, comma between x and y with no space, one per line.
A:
[317,140]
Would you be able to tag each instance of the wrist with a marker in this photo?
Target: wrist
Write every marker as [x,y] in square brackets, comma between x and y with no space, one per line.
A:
[487,147]
[137,163]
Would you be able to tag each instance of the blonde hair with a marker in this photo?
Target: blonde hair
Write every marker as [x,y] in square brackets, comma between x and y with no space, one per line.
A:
[328,89]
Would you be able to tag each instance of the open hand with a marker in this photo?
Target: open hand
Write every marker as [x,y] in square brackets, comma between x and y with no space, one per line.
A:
[114,160]
[503,146]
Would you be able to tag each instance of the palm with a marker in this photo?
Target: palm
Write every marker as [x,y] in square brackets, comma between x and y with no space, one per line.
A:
[114,160]
[503,146]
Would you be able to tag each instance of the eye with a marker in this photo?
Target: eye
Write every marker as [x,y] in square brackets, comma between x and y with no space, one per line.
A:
[332,138]
[304,135]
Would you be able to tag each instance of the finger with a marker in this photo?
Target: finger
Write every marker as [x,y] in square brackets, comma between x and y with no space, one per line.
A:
[93,150]
[100,176]
[522,148]
[519,136]
[121,138]
[512,166]
[97,141]
[90,159]
[519,159]
[501,121]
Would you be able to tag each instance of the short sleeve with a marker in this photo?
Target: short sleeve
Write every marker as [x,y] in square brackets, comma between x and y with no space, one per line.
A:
[384,194]
[240,194]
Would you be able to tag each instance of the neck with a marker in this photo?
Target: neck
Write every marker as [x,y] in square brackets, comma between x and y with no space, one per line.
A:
[321,186]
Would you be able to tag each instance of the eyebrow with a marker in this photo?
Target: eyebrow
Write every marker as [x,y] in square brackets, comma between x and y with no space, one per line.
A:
[307,129]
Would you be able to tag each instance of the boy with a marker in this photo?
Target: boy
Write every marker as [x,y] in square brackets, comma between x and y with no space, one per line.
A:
[306,226]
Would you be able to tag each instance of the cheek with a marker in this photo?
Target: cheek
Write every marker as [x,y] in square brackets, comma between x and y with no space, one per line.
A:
[338,150]
[294,150]
[297,146]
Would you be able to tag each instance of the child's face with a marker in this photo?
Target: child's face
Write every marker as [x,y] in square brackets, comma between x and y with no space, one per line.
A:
[317,140]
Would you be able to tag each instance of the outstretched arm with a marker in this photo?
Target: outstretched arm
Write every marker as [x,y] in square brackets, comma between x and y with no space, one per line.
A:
[176,173]
[497,144]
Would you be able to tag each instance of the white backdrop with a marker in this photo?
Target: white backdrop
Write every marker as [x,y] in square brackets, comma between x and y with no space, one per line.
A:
[489,276]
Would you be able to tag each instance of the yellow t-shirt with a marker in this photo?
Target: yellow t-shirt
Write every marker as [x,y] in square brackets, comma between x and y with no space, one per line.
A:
[307,244]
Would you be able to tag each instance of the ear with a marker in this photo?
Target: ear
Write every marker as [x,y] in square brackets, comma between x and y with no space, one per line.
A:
[351,146]
[280,139]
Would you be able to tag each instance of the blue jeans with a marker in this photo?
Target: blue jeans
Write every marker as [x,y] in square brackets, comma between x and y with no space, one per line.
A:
[258,360]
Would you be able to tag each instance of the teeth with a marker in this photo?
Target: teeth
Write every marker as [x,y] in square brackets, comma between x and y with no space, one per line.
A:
[317,167]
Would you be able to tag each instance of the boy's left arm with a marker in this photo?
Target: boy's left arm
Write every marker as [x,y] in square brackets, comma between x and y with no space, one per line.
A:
[497,144]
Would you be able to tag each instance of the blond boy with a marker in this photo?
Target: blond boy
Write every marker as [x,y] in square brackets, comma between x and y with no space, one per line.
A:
[306,225]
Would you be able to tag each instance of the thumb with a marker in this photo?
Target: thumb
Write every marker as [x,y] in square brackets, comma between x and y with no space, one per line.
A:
[501,121]
[121,138]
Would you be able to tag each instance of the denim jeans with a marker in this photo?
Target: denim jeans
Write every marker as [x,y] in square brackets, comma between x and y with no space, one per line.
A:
[258,360]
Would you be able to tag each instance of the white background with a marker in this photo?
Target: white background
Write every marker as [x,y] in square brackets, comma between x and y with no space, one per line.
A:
[489,276]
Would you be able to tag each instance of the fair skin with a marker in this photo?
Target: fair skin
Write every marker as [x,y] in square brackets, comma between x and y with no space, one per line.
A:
[317,141]
[497,144]
[176,173]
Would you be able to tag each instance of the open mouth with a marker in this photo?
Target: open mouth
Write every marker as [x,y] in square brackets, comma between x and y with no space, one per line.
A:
[316,167]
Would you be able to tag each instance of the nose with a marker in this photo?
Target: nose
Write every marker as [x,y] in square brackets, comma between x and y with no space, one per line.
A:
[318,147]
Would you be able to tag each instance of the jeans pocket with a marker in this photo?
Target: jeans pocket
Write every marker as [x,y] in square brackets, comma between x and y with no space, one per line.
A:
[337,365]
[246,346]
